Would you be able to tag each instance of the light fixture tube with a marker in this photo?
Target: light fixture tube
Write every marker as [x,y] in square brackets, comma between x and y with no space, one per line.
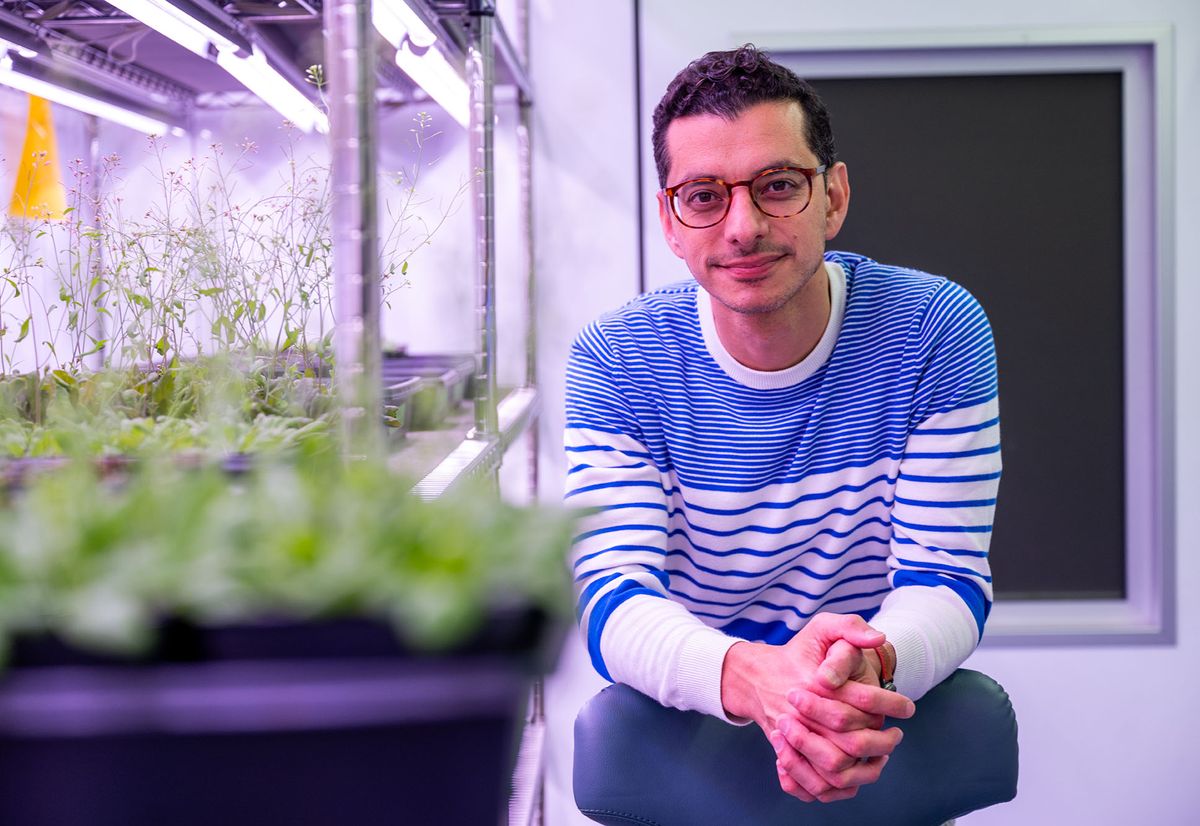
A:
[176,24]
[432,72]
[80,102]
[251,70]
[419,59]
[261,78]
[395,20]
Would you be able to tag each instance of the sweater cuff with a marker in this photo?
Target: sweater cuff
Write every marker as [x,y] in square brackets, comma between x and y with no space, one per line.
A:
[698,675]
[913,675]
[932,631]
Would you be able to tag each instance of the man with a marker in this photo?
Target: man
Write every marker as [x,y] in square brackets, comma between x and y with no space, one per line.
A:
[793,445]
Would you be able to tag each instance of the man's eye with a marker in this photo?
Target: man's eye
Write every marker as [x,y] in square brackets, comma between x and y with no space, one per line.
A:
[702,197]
[781,186]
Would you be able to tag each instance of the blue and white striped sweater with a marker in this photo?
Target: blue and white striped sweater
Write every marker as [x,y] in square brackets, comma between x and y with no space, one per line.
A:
[864,477]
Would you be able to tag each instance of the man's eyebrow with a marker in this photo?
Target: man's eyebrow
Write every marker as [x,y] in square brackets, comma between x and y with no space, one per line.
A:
[793,162]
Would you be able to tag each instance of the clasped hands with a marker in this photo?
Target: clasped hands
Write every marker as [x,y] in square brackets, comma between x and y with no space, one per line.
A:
[817,699]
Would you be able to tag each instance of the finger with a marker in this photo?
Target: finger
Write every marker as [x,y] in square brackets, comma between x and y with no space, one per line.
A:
[830,713]
[791,786]
[842,662]
[816,749]
[874,700]
[860,774]
[865,742]
[856,745]
[798,768]
[849,627]
[837,768]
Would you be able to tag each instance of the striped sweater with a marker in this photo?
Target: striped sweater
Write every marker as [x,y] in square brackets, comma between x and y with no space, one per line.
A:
[726,503]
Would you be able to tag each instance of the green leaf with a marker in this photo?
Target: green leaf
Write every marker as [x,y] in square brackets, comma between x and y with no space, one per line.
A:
[24,329]
[161,346]
[98,345]
[64,379]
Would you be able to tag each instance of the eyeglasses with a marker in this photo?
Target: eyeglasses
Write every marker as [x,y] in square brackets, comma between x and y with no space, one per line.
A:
[779,193]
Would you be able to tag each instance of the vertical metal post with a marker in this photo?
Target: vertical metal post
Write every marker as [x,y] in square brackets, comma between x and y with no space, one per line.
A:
[351,77]
[481,71]
[525,159]
[93,249]
[537,700]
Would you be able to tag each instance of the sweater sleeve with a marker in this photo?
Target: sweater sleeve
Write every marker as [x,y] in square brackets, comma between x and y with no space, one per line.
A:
[635,633]
[945,498]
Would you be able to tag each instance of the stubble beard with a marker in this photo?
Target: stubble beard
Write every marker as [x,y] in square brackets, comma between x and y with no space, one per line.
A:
[774,304]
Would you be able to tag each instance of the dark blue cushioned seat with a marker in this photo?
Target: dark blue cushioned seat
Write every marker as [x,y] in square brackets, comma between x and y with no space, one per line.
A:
[637,762]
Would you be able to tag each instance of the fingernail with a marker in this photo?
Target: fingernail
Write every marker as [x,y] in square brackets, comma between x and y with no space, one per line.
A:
[832,677]
[793,696]
[785,726]
[776,741]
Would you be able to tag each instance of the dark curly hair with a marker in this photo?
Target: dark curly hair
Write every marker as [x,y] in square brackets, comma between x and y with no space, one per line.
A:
[728,83]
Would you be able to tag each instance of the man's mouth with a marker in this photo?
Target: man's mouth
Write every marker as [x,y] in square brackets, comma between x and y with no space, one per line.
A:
[750,266]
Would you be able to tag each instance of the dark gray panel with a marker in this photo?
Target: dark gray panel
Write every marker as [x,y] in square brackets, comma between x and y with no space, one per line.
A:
[1012,186]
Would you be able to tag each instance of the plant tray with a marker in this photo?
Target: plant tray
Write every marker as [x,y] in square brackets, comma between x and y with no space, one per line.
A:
[398,402]
[446,383]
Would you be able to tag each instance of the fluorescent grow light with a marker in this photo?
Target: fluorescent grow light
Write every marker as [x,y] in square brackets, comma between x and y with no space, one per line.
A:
[175,23]
[395,21]
[250,68]
[419,58]
[75,100]
[261,78]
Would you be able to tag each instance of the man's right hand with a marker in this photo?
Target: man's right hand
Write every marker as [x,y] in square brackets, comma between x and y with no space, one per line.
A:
[818,701]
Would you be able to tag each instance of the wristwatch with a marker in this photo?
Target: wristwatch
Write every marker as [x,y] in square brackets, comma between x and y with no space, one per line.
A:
[886,670]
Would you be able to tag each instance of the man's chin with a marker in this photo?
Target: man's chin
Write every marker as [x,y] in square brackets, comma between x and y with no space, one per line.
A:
[752,304]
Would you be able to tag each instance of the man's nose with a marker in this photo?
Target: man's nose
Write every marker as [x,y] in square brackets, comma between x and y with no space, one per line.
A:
[745,221]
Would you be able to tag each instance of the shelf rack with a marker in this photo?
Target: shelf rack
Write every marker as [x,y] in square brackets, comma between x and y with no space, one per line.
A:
[469,31]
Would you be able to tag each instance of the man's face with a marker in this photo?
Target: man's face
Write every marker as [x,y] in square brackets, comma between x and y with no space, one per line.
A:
[749,262]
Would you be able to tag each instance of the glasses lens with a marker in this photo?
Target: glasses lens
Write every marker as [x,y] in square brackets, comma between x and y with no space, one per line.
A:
[701,203]
[781,192]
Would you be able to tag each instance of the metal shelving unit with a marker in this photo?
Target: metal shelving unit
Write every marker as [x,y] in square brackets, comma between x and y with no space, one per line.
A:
[169,84]
[476,36]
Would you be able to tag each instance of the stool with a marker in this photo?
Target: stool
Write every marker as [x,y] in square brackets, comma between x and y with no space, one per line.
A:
[637,762]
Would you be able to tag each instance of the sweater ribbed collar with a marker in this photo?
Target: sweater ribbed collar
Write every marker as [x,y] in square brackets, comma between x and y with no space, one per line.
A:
[774,379]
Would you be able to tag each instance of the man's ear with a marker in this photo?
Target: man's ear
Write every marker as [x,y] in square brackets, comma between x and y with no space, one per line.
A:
[669,227]
[837,199]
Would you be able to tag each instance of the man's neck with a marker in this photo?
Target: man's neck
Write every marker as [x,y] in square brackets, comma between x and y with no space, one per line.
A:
[781,338]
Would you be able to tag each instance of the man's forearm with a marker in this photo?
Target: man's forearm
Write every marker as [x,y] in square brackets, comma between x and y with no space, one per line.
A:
[656,646]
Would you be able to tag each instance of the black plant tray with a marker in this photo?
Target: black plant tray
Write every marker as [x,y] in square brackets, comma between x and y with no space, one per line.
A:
[519,633]
[328,722]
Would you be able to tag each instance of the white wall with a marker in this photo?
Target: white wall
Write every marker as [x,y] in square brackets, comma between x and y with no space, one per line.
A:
[1107,733]
[585,198]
